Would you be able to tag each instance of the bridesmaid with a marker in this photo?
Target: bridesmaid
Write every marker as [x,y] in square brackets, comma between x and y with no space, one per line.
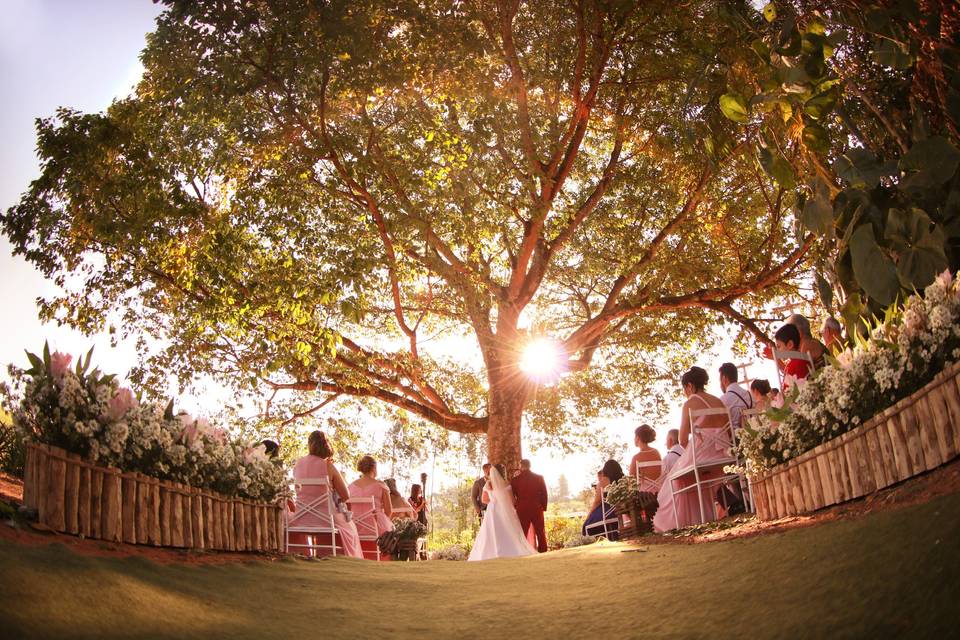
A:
[367,486]
[642,438]
[319,464]
[709,447]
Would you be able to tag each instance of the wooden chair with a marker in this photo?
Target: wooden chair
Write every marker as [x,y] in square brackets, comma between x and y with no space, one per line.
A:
[699,438]
[313,518]
[368,528]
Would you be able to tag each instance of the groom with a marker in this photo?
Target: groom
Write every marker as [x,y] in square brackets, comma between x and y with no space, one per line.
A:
[531,493]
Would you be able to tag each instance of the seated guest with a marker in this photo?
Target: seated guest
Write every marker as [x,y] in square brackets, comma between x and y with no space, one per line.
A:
[760,390]
[418,503]
[711,443]
[734,397]
[367,486]
[611,472]
[271,449]
[787,338]
[319,464]
[776,398]
[807,343]
[642,437]
[832,334]
[399,506]
[674,451]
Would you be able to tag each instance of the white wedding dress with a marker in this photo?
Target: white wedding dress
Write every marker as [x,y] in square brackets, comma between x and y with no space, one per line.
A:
[500,534]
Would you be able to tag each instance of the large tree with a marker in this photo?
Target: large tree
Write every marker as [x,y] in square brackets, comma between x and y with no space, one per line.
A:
[300,194]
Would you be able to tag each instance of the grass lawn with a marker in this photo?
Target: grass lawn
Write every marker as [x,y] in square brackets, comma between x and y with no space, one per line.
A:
[889,574]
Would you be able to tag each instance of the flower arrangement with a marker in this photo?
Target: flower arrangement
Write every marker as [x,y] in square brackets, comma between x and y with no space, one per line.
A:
[903,352]
[624,493]
[409,529]
[455,552]
[88,413]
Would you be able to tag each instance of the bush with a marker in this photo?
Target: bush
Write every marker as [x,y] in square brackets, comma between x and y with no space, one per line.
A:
[455,552]
[561,529]
[12,449]
[579,541]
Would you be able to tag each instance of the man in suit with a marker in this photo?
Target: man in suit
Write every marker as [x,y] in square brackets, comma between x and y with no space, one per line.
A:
[477,491]
[531,493]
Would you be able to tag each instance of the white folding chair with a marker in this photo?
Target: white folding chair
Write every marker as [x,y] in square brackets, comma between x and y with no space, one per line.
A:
[644,482]
[747,416]
[365,518]
[403,512]
[312,517]
[782,356]
[609,522]
[701,438]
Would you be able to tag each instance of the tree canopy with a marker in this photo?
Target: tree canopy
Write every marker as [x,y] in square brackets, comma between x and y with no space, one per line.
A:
[311,196]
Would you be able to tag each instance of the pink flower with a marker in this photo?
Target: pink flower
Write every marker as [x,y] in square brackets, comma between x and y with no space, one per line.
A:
[219,435]
[60,364]
[189,433]
[122,402]
[946,279]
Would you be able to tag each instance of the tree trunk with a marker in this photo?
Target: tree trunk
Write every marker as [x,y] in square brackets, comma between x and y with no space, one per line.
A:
[505,405]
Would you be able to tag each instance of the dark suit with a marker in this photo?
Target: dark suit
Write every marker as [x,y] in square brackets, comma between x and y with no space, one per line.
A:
[531,493]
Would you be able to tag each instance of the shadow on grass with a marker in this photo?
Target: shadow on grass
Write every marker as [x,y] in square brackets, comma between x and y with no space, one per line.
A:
[895,573]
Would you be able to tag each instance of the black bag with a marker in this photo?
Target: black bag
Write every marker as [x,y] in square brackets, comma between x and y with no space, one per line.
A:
[733,500]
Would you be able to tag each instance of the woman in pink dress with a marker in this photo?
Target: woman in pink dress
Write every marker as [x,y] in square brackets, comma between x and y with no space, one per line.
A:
[318,464]
[712,445]
[367,486]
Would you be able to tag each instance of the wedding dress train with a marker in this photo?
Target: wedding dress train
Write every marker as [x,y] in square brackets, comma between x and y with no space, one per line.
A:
[500,534]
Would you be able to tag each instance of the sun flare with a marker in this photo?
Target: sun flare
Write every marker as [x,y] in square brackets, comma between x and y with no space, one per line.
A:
[543,360]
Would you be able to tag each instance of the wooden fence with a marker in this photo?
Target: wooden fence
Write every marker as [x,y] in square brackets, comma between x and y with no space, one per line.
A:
[919,433]
[76,497]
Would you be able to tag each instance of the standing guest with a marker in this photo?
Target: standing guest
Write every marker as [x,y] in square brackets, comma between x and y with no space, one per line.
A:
[642,437]
[399,506]
[367,486]
[734,397]
[832,334]
[530,491]
[760,390]
[807,343]
[418,503]
[710,443]
[787,338]
[319,464]
[674,451]
[611,472]
[476,493]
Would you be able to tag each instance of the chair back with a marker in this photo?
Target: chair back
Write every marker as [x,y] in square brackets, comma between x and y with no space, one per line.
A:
[701,437]
[365,518]
[747,415]
[312,515]
[646,483]
[608,523]
[780,356]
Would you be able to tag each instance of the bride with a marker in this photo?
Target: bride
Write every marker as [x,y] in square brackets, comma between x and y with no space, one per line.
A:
[500,534]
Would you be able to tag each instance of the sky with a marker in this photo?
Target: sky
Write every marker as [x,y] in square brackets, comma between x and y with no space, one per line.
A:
[83,55]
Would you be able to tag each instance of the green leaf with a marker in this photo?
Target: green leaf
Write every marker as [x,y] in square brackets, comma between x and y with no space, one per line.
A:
[168,411]
[920,245]
[931,162]
[891,54]
[734,106]
[861,169]
[821,104]
[770,12]
[777,168]
[816,138]
[761,49]
[817,214]
[46,355]
[875,273]
[35,361]
[825,291]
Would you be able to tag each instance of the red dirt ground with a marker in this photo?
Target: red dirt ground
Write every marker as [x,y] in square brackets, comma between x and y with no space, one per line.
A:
[924,488]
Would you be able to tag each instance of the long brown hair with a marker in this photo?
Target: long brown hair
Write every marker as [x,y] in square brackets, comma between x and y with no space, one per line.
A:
[317,445]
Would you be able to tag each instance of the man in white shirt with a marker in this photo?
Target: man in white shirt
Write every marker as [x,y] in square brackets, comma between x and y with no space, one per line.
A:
[734,397]
[674,451]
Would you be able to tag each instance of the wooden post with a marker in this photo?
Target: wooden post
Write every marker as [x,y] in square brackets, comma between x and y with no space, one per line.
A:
[142,509]
[217,522]
[239,525]
[945,427]
[885,454]
[208,521]
[154,535]
[196,509]
[166,507]
[83,501]
[951,396]
[176,516]
[71,503]
[53,516]
[128,518]
[226,531]
[112,527]
[186,503]
[29,476]
[911,431]
[96,503]
[42,471]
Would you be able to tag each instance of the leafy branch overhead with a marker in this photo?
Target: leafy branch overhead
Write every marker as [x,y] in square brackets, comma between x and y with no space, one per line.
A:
[312,198]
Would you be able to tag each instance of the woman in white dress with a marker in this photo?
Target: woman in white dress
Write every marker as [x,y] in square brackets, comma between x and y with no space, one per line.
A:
[500,534]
